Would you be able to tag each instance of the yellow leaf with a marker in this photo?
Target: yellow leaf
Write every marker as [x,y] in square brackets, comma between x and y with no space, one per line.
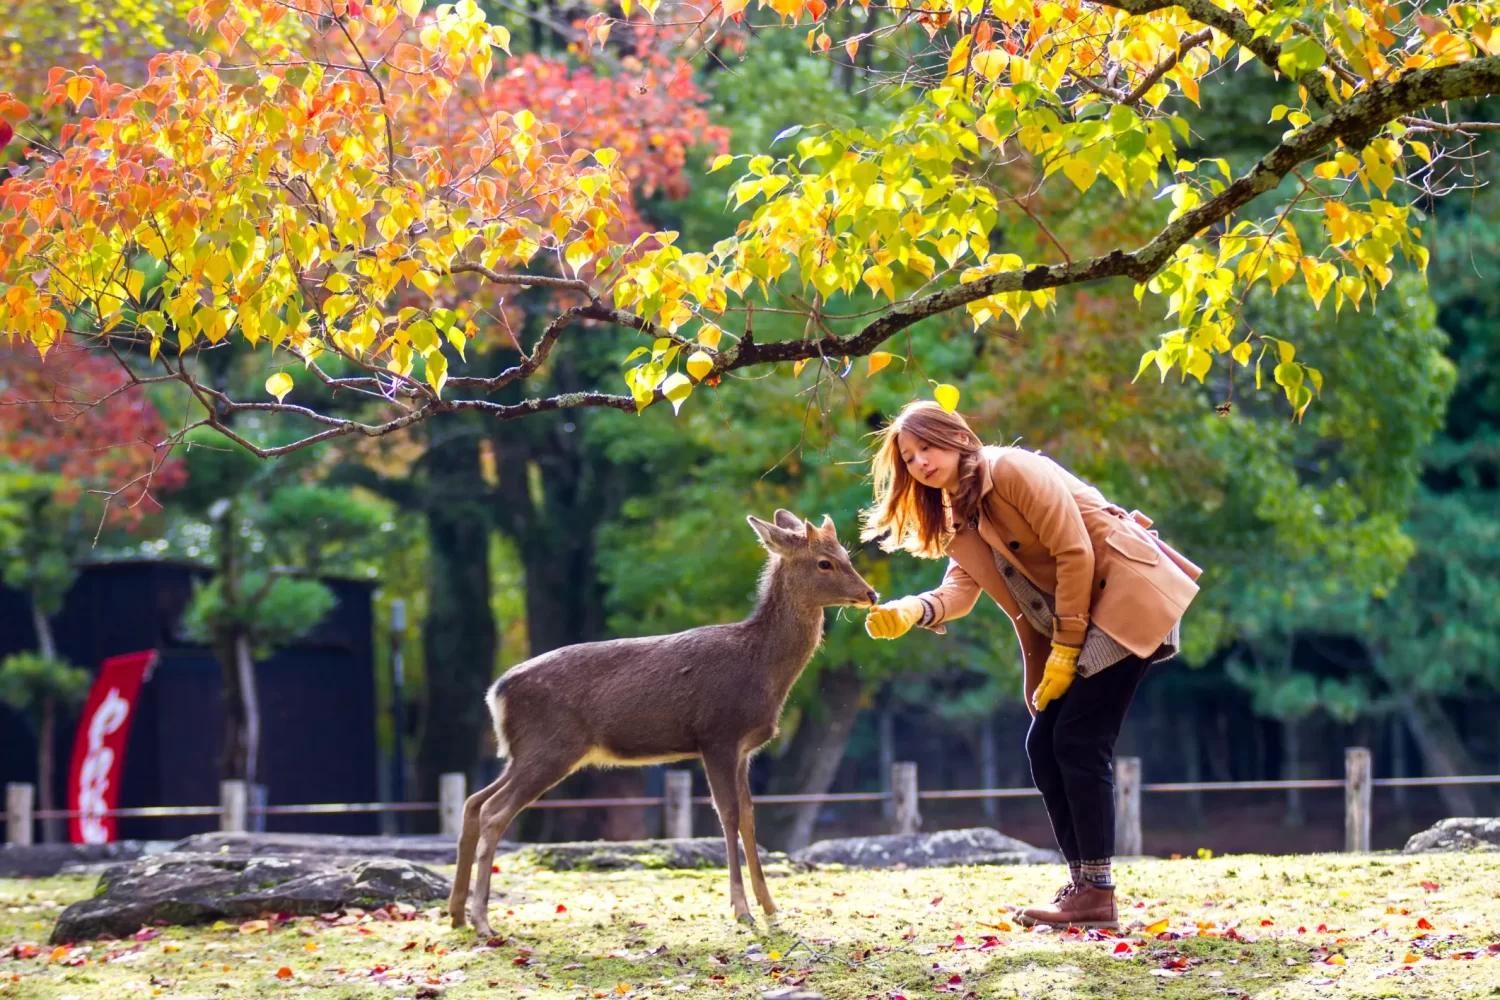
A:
[1158,926]
[798,366]
[1336,960]
[1080,172]
[1241,352]
[946,396]
[722,160]
[426,281]
[411,8]
[991,62]
[851,46]
[879,360]
[1328,171]
[500,38]
[437,371]
[676,388]
[699,364]
[732,7]
[279,385]
[708,336]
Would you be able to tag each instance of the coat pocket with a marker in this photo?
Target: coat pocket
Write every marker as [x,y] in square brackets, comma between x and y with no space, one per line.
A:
[1133,547]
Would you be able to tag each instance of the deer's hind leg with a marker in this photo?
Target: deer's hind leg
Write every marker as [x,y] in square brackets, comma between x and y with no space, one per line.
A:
[723,782]
[747,838]
[535,770]
[468,840]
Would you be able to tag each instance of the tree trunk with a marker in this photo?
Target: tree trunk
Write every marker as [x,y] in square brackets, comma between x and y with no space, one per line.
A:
[989,767]
[51,828]
[811,762]
[45,644]
[1291,770]
[887,757]
[244,667]
[1443,753]
[1188,747]
[458,640]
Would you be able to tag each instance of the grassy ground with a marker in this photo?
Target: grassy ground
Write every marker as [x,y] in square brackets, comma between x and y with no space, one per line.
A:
[1315,926]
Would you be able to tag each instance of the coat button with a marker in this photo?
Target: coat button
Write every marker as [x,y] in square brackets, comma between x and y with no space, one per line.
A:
[1015,546]
[1102,583]
[1036,605]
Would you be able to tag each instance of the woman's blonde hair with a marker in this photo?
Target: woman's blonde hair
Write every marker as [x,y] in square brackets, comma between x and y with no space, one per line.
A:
[907,515]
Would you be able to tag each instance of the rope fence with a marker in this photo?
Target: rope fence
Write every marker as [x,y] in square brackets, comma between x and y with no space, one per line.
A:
[235,808]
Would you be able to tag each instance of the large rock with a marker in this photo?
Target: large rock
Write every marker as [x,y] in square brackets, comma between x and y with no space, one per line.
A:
[198,888]
[608,855]
[977,846]
[41,860]
[429,850]
[1460,833]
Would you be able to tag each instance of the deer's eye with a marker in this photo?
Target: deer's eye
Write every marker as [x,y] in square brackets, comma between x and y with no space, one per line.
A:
[825,564]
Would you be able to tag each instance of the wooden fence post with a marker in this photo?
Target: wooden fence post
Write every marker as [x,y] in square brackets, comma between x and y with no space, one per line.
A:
[453,788]
[18,809]
[234,806]
[1128,839]
[1357,790]
[908,817]
[677,809]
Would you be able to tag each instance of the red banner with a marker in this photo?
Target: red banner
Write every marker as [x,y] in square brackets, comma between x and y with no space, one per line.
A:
[99,746]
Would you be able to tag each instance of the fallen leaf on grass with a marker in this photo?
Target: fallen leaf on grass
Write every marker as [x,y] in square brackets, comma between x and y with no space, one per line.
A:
[1424,924]
[1123,949]
[1430,886]
[254,927]
[1411,958]
[1335,960]
[284,973]
[1158,926]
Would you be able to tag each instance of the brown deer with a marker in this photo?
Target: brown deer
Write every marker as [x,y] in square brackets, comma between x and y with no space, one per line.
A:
[714,692]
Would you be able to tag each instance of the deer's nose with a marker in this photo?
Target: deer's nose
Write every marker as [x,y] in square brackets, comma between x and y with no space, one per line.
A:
[873,596]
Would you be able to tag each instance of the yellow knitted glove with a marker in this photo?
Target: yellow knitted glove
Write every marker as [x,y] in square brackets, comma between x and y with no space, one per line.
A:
[1062,667]
[887,621]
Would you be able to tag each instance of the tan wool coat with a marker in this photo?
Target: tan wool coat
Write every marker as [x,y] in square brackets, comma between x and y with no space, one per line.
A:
[1102,564]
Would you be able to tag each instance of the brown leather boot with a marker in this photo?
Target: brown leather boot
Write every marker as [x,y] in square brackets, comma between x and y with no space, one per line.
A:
[1085,906]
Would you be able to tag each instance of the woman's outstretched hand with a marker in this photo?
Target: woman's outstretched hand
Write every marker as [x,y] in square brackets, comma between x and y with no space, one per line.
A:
[1057,677]
[887,621]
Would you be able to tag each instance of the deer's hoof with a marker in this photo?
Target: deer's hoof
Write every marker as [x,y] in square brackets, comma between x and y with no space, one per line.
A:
[745,918]
[459,921]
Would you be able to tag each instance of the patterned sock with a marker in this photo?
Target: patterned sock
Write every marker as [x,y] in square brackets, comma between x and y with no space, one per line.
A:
[1075,870]
[1097,873]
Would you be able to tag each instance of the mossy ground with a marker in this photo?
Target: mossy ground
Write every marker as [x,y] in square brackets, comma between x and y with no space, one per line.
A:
[1314,927]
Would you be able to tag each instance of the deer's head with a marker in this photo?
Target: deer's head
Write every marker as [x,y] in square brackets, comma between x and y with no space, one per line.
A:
[812,565]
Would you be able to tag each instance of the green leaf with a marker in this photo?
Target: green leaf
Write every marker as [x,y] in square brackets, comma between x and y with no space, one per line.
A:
[1301,56]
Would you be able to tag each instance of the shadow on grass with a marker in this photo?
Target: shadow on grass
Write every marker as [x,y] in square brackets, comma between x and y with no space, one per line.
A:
[1165,970]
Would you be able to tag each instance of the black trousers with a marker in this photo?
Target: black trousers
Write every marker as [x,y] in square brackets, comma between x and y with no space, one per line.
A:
[1071,746]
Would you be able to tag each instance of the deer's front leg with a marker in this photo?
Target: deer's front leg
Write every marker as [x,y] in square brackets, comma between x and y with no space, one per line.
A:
[747,837]
[721,768]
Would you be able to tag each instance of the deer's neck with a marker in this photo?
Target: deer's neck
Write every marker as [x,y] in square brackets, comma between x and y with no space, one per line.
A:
[785,631]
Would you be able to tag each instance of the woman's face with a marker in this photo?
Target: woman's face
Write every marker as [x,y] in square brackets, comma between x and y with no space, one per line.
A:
[928,464]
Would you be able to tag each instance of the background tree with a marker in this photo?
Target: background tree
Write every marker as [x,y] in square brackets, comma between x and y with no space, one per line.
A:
[42,686]
[271,536]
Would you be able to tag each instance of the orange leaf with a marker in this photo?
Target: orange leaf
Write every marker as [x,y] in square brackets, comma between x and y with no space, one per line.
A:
[851,46]
[284,973]
[1158,927]
[1424,924]
[1335,960]
[1411,957]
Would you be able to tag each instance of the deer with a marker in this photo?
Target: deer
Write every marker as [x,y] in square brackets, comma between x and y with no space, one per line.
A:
[713,693]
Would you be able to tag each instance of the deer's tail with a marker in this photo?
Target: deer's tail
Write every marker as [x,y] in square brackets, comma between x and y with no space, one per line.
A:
[496,701]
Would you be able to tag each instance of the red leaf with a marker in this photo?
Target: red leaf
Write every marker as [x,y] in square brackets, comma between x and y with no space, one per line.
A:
[958,939]
[561,908]
[955,979]
[1424,924]
[1322,928]
[1123,948]
[284,973]
[409,946]
[1267,923]
[494,869]
[147,933]
[519,960]
[1430,886]
[6,133]
[935,900]
[1180,962]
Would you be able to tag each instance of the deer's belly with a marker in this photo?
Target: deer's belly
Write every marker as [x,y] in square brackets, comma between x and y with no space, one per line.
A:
[605,757]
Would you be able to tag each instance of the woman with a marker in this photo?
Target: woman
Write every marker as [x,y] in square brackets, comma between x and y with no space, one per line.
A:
[1094,597]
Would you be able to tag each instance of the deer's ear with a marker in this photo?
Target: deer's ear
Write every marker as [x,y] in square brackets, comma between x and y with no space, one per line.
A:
[830,531]
[773,536]
[787,520]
